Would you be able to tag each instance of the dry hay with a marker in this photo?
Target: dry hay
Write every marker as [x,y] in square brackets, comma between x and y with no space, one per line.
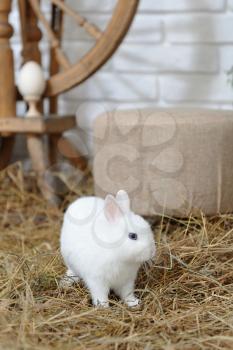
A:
[187,294]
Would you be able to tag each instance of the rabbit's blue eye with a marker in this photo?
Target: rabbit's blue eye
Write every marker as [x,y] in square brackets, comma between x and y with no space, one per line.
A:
[133,236]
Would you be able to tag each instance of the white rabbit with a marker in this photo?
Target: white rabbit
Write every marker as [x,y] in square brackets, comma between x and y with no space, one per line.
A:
[104,243]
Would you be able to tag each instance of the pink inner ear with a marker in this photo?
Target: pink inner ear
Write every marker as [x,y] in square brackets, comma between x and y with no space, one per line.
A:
[112,210]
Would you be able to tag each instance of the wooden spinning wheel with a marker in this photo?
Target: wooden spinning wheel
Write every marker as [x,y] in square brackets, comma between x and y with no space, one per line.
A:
[106,43]
[63,74]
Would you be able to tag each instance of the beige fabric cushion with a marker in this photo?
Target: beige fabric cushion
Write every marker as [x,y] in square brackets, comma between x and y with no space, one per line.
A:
[171,161]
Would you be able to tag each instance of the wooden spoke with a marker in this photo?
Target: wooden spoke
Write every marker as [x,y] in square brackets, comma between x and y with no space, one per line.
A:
[92,29]
[61,57]
[105,46]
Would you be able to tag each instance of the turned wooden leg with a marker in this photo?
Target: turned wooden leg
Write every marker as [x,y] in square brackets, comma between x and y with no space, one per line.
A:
[38,158]
[30,32]
[69,151]
[53,148]
[36,152]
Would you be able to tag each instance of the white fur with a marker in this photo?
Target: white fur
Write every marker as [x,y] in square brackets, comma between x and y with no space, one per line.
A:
[96,247]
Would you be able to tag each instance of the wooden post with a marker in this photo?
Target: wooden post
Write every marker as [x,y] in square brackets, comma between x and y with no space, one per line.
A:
[30,33]
[37,155]
[31,85]
[56,25]
[7,84]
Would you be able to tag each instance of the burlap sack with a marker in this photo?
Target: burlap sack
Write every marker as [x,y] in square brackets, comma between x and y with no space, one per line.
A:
[171,161]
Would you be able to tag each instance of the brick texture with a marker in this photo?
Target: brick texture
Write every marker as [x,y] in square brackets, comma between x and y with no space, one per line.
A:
[171,58]
[190,29]
[182,5]
[230,5]
[180,88]
[114,86]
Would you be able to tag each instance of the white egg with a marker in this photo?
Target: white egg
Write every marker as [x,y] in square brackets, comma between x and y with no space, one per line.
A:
[31,83]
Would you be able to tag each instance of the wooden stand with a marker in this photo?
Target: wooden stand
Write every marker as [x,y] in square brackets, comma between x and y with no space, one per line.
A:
[7,90]
[34,125]
[64,75]
[53,126]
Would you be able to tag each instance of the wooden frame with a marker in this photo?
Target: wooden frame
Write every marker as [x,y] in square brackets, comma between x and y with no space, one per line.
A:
[49,125]
[7,94]
[106,42]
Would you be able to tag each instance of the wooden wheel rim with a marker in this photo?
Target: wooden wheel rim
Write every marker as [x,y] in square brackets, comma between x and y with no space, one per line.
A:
[104,48]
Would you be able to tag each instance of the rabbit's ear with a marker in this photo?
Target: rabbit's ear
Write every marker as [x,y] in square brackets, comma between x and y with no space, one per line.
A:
[112,210]
[123,200]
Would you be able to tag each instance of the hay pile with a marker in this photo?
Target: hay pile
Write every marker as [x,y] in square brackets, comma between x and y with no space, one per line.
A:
[187,295]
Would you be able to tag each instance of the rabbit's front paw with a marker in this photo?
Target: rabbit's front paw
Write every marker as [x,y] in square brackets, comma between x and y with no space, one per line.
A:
[99,293]
[101,304]
[133,302]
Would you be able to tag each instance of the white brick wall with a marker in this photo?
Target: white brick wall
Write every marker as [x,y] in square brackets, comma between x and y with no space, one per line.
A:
[162,59]
[201,28]
[198,89]
[176,53]
[182,5]
[118,87]
[230,4]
